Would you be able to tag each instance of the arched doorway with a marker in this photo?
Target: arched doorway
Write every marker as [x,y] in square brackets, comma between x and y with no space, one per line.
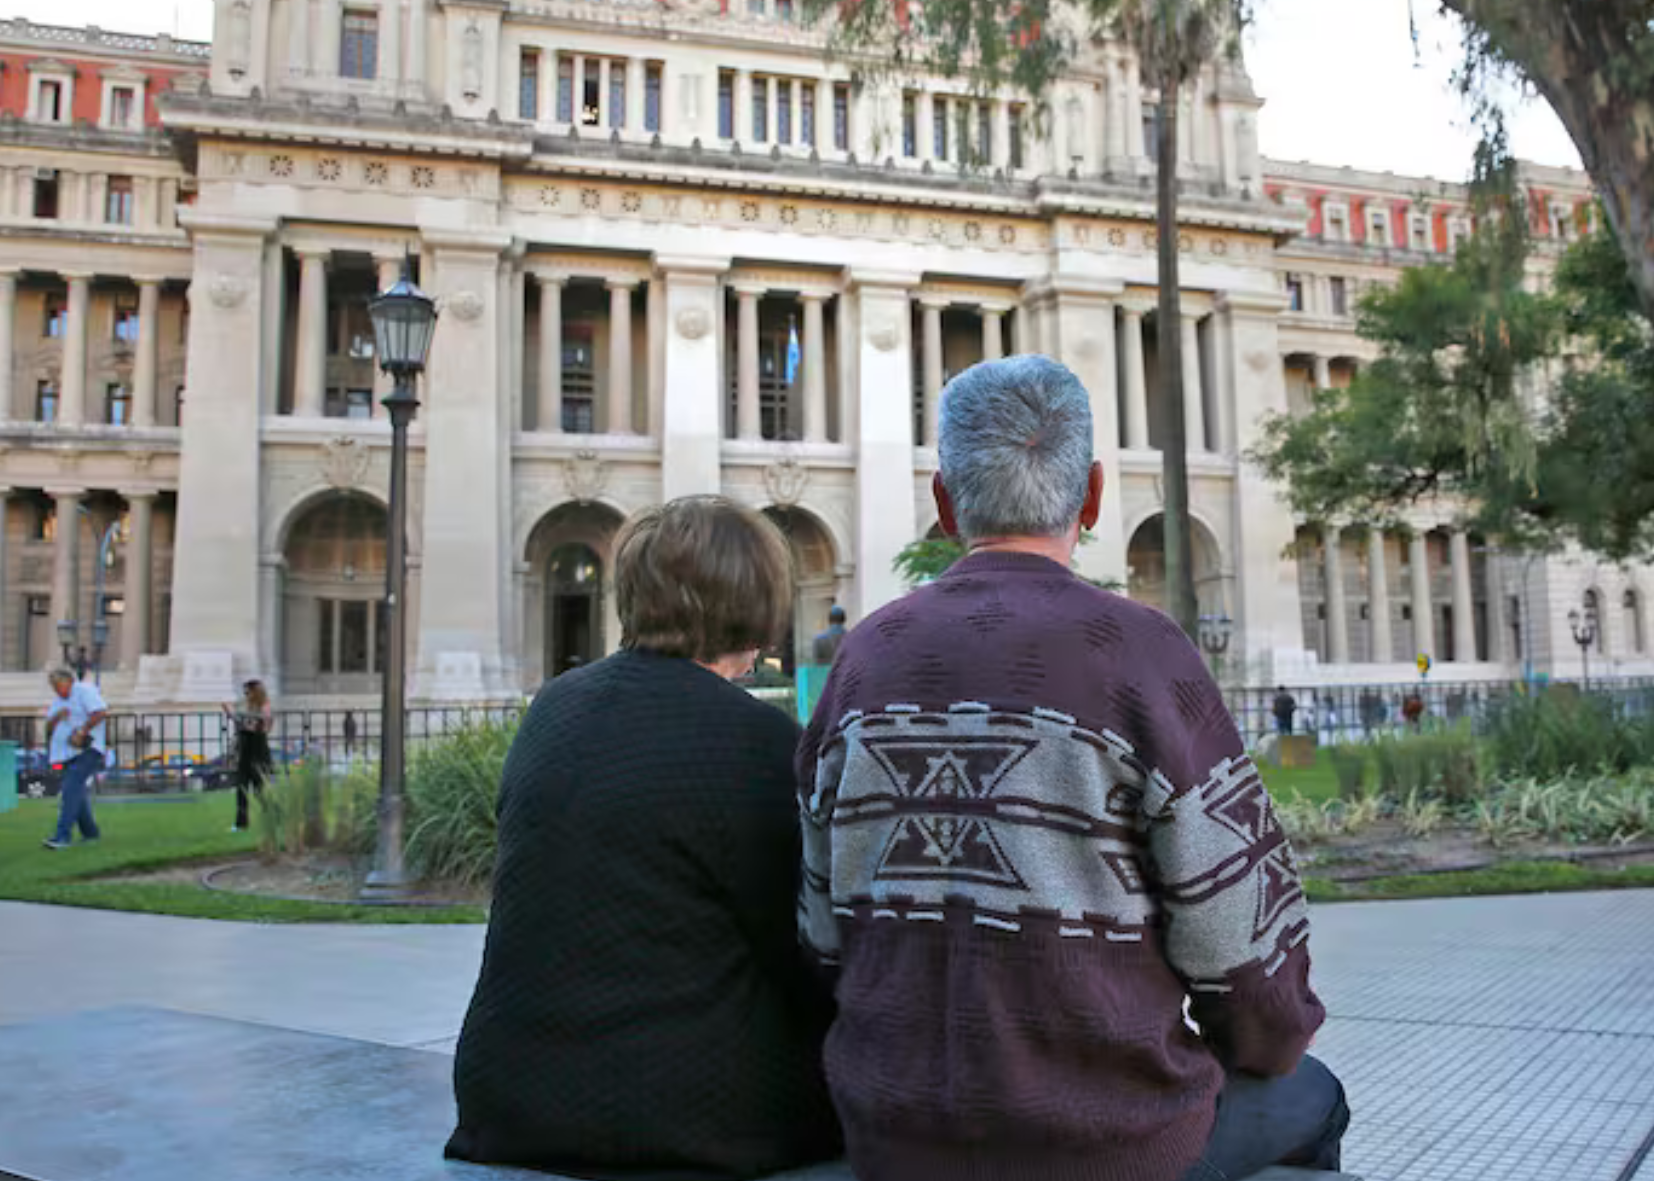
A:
[569,619]
[334,632]
[814,569]
[1146,567]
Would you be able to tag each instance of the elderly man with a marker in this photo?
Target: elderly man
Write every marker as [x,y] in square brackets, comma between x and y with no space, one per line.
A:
[1032,837]
[75,742]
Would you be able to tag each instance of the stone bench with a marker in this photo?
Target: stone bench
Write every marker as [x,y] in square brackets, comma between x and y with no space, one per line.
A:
[150,1095]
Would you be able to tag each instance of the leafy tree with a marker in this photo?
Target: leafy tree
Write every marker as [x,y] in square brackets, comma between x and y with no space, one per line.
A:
[930,557]
[1028,43]
[1452,408]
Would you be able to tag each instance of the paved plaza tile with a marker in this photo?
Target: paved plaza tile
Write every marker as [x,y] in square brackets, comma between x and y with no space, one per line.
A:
[1497,1039]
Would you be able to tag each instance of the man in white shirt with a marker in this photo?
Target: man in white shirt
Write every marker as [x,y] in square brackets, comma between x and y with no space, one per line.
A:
[75,741]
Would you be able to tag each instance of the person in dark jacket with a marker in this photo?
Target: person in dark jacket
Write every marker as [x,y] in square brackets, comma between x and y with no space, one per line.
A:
[824,647]
[644,1010]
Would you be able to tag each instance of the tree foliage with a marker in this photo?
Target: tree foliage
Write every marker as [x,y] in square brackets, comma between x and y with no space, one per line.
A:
[929,558]
[1455,407]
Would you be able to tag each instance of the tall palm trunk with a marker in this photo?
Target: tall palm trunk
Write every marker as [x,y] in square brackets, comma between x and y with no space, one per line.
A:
[1180,574]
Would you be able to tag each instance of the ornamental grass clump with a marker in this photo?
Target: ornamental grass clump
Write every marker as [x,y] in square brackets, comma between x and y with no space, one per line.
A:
[453,788]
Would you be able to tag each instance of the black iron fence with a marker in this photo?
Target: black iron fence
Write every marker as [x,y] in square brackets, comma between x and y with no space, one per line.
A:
[1338,713]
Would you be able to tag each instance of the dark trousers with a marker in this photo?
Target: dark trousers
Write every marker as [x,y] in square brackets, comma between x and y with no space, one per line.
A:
[75,799]
[252,768]
[1295,1120]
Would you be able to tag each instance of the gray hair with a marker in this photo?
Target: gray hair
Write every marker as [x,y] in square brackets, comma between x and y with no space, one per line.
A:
[60,674]
[1015,447]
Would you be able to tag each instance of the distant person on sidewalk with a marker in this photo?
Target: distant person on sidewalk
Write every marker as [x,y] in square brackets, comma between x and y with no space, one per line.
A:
[644,1010]
[252,718]
[1032,835]
[1284,707]
[824,648]
[75,741]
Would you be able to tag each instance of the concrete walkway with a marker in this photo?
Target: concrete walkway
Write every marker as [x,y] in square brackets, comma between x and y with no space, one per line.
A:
[1480,1039]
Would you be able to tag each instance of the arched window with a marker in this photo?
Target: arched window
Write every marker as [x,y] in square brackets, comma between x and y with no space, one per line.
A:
[1593,611]
[1632,609]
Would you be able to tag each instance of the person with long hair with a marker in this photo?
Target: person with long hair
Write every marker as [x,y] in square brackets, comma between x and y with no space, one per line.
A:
[252,717]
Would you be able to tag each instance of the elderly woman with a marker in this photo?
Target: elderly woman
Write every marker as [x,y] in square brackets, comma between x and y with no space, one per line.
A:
[643,1009]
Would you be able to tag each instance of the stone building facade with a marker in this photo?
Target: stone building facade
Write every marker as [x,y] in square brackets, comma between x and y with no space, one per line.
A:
[676,251]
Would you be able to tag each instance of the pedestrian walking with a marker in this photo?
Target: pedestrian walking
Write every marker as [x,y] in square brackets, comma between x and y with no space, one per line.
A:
[75,741]
[252,746]
[1283,707]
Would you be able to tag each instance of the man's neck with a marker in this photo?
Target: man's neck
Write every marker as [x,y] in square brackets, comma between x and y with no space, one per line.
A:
[1058,549]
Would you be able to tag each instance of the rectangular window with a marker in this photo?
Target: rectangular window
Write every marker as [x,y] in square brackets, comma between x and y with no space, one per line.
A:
[1151,131]
[579,382]
[726,105]
[1420,234]
[651,97]
[325,611]
[57,317]
[565,88]
[359,404]
[45,401]
[528,85]
[359,45]
[910,125]
[45,196]
[1379,232]
[123,101]
[40,606]
[784,9]
[51,101]
[353,636]
[1016,137]
[117,405]
[117,202]
[617,96]
[841,117]
[939,129]
[1340,296]
[783,111]
[755,7]
[1337,231]
[591,92]
[761,109]
[807,115]
[984,133]
[1294,293]
[126,323]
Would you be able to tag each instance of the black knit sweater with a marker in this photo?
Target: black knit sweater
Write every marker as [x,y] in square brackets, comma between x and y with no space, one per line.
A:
[643,1009]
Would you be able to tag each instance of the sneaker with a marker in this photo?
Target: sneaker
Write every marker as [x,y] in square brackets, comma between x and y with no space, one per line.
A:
[237,828]
[54,844]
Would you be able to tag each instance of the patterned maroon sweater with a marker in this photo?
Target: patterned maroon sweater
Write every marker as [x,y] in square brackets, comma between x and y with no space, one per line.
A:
[1030,832]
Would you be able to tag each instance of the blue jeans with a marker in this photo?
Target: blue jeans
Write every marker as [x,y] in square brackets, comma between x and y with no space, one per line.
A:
[1295,1120]
[75,802]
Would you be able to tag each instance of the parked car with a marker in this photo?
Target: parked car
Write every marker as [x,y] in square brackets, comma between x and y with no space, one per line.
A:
[153,773]
[37,776]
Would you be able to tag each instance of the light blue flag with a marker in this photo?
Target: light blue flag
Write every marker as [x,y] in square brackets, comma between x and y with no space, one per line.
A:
[793,355]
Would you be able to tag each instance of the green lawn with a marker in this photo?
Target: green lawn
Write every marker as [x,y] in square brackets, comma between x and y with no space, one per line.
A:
[1516,877]
[141,834]
[1316,784]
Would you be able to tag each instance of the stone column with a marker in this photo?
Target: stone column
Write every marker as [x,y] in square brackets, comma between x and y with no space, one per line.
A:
[620,355]
[310,370]
[390,270]
[1424,621]
[1002,134]
[1137,391]
[603,113]
[215,581]
[931,309]
[748,423]
[298,37]
[390,43]
[1498,624]
[516,333]
[1114,144]
[72,406]
[815,370]
[925,118]
[8,336]
[66,564]
[635,86]
[549,416]
[993,333]
[742,123]
[5,581]
[692,409]
[1323,373]
[886,519]
[1085,316]
[1378,599]
[139,569]
[1194,399]
[1464,603]
[1338,644]
[1135,148]
[144,365]
[416,45]
[327,37]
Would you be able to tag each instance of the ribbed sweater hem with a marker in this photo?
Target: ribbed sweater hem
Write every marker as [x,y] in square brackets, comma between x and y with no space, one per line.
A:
[1167,1157]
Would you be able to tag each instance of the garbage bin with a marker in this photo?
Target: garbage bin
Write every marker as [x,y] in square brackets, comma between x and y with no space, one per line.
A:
[8,776]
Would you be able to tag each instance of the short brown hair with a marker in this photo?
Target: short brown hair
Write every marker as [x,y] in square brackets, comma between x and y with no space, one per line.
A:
[702,577]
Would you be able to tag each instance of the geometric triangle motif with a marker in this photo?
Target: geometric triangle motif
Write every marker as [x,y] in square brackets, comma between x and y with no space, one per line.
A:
[1279,888]
[938,834]
[1247,814]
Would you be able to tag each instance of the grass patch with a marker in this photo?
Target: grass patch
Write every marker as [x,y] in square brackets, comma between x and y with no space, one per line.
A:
[145,834]
[1516,877]
[1316,784]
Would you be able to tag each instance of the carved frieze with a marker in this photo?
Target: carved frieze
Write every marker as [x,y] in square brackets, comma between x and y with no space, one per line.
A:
[344,462]
[585,474]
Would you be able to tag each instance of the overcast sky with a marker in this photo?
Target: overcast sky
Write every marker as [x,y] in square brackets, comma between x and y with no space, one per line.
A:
[1341,78]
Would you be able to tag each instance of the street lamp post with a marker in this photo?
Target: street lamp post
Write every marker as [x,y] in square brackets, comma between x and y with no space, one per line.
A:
[100,603]
[68,632]
[1584,627]
[404,318]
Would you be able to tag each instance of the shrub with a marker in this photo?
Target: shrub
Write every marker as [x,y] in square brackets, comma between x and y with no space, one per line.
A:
[1445,763]
[1349,764]
[1554,734]
[453,788]
[304,809]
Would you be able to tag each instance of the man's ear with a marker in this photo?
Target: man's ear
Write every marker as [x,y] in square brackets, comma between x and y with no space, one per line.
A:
[1093,506]
[944,506]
